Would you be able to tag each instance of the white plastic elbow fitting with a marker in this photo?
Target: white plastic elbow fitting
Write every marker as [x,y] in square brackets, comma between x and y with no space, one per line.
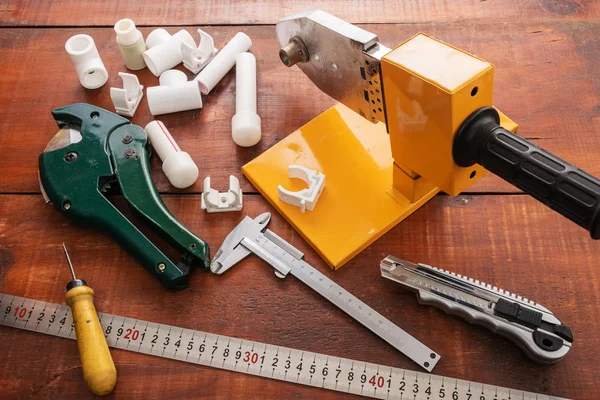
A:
[164,50]
[88,65]
[245,124]
[177,165]
[222,63]
[131,44]
[174,94]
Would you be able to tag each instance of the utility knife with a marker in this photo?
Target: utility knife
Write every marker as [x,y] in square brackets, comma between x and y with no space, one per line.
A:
[529,325]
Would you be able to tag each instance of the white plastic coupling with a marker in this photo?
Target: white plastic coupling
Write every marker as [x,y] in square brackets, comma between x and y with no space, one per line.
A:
[86,60]
[177,165]
[164,50]
[131,44]
[213,201]
[196,58]
[174,94]
[245,124]
[306,199]
[223,62]
[127,100]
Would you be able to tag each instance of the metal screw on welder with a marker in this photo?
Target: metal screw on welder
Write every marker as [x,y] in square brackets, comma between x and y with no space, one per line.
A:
[129,153]
[71,156]
[162,267]
[294,52]
[128,139]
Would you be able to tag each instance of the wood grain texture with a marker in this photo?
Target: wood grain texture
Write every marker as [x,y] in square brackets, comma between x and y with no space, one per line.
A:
[215,12]
[547,57]
[499,239]
[546,80]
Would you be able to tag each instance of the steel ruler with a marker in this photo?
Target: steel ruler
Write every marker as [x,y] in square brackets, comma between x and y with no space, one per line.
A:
[255,358]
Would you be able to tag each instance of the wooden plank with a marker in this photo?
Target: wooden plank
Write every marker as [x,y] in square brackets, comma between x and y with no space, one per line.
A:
[546,78]
[510,241]
[214,12]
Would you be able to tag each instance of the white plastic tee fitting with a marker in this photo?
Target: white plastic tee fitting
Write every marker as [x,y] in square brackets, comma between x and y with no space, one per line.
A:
[131,44]
[88,65]
[177,165]
[223,62]
[164,50]
[174,94]
[245,124]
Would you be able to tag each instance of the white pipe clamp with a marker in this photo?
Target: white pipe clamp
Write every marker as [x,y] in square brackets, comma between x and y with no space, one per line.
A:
[213,201]
[127,100]
[177,165]
[245,124]
[306,199]
[164,50]
[174,94]
[196,58]
[223,62]
[86,60]
[131,44]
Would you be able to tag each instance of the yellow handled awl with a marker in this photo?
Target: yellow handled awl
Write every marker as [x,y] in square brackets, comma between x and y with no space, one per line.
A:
[99,371]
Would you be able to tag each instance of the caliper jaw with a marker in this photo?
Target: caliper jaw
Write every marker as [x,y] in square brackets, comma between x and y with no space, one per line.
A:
[341,59]
[74,170]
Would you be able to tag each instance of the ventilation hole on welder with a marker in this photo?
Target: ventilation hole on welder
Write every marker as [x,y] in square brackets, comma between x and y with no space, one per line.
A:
[474,91]
[473,174]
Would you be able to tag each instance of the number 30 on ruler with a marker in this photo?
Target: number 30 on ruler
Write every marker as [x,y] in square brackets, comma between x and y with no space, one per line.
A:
[269,361]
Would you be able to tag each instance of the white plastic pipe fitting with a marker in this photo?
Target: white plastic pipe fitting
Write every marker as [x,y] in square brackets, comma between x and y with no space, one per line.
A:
[164,50]
[223,62]
[86,60]
[245,124]
[131,44]
[174,94]
[177,165]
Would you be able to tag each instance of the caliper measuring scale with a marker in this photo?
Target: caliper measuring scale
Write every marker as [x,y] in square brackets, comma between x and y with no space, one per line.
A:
[252,237]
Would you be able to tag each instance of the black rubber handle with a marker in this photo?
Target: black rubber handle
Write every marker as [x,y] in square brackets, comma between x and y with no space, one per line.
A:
[556,183]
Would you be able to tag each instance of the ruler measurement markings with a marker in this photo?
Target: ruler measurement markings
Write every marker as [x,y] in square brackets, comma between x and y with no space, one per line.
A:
[337,295]
[332,372]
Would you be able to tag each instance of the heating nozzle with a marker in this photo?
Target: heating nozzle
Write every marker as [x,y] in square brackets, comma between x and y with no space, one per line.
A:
[293,52]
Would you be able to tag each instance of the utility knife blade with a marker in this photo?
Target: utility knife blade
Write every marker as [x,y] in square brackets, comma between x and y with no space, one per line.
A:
[529,325]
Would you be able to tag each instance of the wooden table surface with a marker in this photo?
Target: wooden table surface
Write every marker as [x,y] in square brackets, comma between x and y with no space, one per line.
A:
[547,58]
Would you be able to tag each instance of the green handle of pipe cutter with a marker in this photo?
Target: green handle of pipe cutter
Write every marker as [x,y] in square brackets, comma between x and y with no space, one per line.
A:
[112,150]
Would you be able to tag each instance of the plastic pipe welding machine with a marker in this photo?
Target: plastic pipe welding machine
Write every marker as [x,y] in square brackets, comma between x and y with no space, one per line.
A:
[413,121]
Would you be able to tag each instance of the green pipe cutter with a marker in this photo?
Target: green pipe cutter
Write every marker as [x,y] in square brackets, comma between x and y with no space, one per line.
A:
[96,149]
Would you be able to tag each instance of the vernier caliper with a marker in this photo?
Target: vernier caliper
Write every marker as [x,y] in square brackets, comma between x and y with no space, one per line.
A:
[252,236]
[529,325]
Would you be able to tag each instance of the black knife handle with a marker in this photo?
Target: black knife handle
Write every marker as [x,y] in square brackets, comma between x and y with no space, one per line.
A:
[554,182]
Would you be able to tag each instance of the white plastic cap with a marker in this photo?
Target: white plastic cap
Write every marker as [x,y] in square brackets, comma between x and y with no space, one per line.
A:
[180,169]
[245,128]
[177,165]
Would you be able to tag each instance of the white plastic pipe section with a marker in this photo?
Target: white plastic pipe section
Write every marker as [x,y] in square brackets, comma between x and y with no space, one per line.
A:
[131,44]
[88,65]
[177,165]
[174,94]
[164,50]
[245,124]
[223,62]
